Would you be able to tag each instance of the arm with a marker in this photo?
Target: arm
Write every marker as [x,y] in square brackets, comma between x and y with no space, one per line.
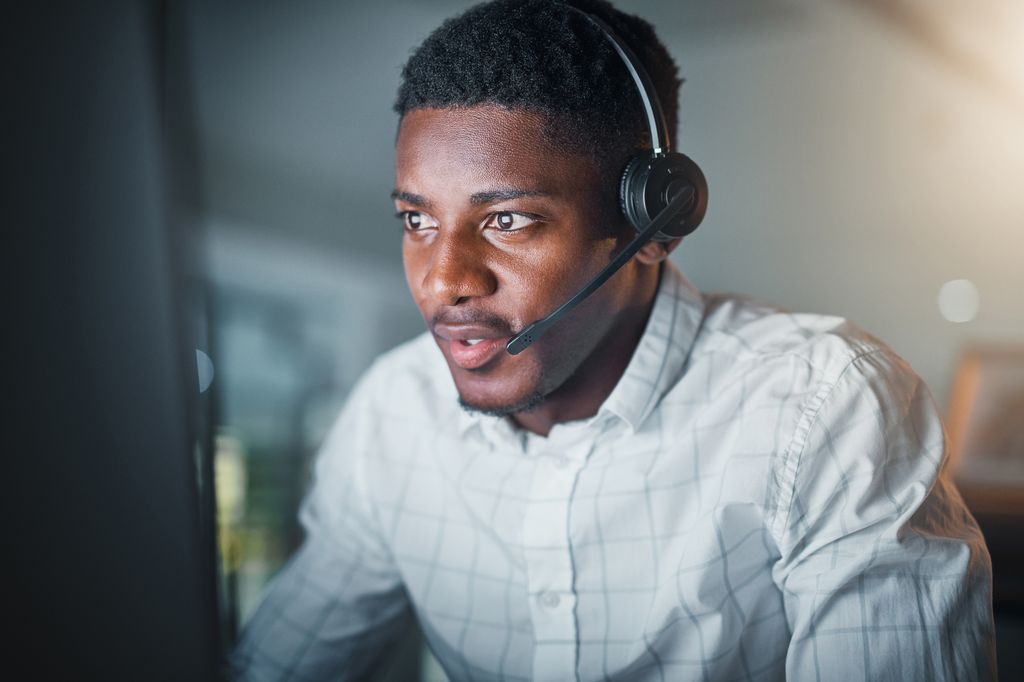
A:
[339,601]
[885,575]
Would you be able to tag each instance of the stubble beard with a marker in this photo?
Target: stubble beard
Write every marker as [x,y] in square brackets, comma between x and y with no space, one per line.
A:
[530,402]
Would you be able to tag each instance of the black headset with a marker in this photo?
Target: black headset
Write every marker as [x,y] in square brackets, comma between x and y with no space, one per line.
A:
[662,193]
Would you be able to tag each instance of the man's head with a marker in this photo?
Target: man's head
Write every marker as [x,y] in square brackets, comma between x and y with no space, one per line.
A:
[517,119]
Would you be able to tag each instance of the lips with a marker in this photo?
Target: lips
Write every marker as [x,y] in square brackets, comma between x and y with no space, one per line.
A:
[472,346]
[469,356]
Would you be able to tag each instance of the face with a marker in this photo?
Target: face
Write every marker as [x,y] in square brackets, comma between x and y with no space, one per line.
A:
[499,230]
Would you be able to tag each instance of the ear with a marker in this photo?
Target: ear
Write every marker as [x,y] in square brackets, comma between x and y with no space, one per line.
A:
[654,252]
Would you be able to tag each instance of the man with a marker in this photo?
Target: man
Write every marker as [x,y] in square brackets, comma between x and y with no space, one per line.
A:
[667,486]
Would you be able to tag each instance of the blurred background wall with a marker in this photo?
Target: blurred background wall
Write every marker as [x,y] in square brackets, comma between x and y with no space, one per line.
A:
[861,155]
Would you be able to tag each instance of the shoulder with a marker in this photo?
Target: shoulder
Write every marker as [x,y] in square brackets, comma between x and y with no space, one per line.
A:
[751,334]
[835,397]
[851,418]
[405,393]
[409,383]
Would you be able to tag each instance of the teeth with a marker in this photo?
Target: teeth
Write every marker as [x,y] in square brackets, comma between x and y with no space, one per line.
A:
[472,342]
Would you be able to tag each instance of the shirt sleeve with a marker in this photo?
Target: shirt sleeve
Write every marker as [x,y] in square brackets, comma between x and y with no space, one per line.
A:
[884,573]
[339,602]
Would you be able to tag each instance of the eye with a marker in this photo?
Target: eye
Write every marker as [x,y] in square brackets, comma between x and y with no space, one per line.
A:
[414,221]
[506,221]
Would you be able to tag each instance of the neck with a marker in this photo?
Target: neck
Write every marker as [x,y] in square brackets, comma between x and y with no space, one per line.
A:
[582,395]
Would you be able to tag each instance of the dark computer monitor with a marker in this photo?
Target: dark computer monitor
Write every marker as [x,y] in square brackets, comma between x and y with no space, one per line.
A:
[110,556]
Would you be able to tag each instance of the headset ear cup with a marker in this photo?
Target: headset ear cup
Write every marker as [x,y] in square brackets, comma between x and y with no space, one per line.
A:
[649,183]
[680,171]
[630,199]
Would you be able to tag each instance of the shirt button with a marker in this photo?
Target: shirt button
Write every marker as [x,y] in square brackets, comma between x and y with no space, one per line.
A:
[561,462]
[549,600]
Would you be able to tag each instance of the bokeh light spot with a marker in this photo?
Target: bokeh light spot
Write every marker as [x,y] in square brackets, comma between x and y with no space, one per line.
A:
[959,300]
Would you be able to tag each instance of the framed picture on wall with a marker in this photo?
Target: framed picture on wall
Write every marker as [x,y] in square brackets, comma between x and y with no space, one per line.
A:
[986,421]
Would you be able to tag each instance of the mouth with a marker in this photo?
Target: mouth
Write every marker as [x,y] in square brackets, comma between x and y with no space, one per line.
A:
[472,347]
[475,353]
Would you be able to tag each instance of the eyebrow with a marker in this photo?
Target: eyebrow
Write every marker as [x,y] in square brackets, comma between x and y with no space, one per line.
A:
[504,194]
[486,197]
[410,198]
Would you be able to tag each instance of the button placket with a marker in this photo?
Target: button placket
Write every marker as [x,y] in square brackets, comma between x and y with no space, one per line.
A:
[549,568]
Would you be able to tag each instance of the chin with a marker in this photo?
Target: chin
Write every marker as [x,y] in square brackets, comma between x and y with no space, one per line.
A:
[502,409]
[498,393]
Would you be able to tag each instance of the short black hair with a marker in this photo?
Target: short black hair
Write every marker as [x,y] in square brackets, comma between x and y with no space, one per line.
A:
[542,56]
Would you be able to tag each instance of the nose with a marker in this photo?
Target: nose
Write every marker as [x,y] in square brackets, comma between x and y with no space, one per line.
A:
[459,269]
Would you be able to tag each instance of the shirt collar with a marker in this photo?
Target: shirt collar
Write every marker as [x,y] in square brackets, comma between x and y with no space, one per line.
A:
[654,368]
[662,351]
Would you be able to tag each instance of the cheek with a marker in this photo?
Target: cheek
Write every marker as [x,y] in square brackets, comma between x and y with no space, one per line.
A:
[549,276]
[533,276]
[413,264]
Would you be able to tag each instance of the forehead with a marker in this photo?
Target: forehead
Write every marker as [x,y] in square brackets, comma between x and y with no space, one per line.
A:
[485,144]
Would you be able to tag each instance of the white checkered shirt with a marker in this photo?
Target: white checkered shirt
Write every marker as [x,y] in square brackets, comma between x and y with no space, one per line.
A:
[759,498]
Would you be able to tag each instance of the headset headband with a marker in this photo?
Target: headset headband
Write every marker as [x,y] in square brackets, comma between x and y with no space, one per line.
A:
[652,105]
